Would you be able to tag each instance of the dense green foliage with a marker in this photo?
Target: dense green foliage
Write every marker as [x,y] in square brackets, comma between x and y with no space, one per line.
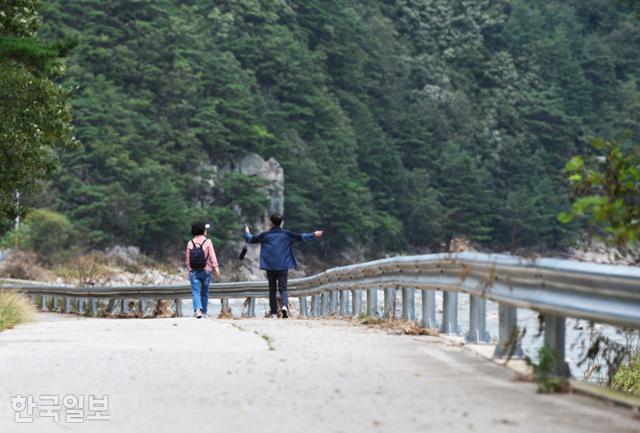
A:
[627,378]
[44,232]
[399,123]
[607,188]
[34,116]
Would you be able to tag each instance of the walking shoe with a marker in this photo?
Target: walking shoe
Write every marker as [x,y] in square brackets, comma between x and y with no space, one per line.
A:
[274,316]
[198,314]
[285,312]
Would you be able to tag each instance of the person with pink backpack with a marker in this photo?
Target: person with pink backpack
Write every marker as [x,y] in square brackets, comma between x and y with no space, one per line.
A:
[201,261]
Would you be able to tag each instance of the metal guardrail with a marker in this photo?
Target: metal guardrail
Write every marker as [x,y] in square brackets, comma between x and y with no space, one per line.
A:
[555,288]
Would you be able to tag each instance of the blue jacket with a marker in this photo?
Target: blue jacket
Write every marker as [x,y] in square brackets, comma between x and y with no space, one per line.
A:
[276,251]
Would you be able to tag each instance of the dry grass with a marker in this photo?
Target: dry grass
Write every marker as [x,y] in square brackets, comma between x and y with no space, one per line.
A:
[399,327]
[86,270]
[163,309]
[225,315]
[14,309]
[24,266]
[465,272]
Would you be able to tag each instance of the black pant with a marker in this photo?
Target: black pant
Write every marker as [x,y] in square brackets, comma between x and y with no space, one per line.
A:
[279,279]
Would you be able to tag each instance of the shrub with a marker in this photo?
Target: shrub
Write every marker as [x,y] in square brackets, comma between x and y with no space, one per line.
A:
[14,309]
[44,232]
[627,378]
[543,374]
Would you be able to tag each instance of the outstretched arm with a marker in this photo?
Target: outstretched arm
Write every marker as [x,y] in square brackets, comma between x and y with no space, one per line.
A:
[303,237]
[251,239]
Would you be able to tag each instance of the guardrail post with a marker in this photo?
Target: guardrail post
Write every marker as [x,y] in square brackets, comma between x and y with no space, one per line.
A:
[390,303]
[333,303]
[554,340]
[124,308]
[224,306]
[312,306]
[450,313]
[178,307]
[56,303]
[315,305]
[477,320]
[408,304]
[344,303]
[67,304]
[508,334]
[356,295]
[372,302]
[304,312]
[316,300]
[80,305]
[429,309]
[324,307]
[43,303]
[142,304]
[251,308]
[111,306]
[94,307]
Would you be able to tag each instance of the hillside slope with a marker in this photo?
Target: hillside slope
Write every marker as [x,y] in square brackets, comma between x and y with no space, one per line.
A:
[399,123]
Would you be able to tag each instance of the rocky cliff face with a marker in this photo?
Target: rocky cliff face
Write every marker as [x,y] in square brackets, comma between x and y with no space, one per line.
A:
[269,171]
[272,174]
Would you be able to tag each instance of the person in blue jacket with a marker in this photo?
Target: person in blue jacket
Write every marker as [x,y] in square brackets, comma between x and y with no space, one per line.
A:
[276,257]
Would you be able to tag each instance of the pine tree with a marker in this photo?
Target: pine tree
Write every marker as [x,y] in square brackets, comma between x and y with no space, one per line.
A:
[34,116]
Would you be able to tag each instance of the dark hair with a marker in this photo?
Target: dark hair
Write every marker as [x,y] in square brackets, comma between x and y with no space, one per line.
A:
[197,229]
[276,219]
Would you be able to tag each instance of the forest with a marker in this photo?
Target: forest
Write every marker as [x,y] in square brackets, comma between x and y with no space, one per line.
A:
[400,124]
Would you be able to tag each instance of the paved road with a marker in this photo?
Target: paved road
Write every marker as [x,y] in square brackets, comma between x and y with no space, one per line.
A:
[189,375]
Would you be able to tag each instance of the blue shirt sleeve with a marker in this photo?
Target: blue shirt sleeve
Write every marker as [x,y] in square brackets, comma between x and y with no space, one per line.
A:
[301,236]
[308,237]
[251,239]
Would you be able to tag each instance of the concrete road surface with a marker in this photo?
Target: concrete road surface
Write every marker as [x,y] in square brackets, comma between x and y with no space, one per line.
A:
[261,376]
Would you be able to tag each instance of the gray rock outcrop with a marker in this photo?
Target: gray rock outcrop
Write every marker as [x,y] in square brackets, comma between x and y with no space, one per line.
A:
[271,173]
